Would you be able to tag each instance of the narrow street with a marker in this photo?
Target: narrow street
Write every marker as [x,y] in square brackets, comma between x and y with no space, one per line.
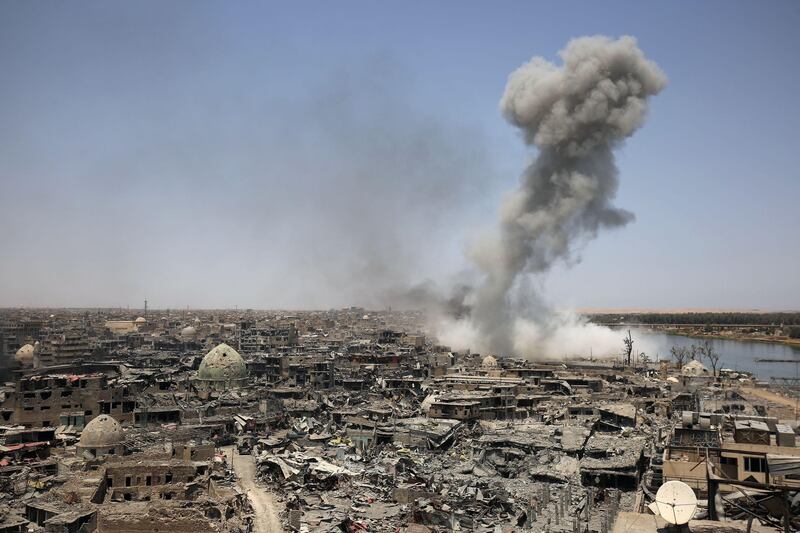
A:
[266,513]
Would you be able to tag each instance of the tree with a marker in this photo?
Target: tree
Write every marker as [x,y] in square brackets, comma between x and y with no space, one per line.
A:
[680,354]
[628,348]
[706,349]
[693,351]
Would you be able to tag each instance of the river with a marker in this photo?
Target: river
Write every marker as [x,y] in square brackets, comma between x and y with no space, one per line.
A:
[737,355]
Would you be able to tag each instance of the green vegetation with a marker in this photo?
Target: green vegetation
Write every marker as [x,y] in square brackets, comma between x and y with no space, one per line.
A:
[701,319]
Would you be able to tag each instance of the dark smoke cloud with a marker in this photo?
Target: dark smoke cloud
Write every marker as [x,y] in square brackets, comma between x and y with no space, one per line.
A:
[576,114]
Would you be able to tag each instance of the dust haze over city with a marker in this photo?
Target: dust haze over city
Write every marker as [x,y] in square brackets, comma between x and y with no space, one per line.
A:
[547,248]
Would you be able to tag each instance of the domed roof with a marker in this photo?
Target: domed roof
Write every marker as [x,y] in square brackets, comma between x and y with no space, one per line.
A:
[188,331]
[489,362]
[141,320]
[694,368]
[24,354]
[222,363]
[102,432]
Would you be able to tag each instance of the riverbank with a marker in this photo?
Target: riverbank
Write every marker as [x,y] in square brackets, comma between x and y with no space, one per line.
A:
[735,353]
[732,336]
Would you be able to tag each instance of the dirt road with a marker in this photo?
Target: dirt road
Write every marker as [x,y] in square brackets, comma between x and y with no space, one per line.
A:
[266,513]
[787,405]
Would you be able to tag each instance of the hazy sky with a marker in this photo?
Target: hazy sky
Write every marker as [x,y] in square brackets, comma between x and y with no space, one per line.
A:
[318,154]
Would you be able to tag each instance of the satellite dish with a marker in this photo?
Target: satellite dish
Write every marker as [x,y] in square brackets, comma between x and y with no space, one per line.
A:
[676,502]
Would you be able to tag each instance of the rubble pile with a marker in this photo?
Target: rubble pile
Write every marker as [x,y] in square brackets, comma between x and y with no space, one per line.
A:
[352,420]
[487,474]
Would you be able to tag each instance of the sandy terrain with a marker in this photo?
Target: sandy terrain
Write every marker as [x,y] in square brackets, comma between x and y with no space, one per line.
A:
[786,407]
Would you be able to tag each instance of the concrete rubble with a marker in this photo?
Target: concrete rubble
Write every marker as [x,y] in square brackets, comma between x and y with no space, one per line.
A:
[356,421]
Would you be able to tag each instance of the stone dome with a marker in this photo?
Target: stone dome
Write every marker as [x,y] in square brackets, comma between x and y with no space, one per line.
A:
[102,432]
[189,332]
[222,363]
[489,362]
[140,320]
[25,354]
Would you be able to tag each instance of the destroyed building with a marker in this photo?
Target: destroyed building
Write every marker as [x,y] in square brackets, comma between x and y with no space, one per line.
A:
[101,437]
[221,369]
[362,422]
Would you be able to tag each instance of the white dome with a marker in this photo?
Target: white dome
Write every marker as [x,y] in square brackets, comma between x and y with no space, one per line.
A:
[694,368]
[489,362]
[188,332]
[141,320]
[102,432]
[24,354]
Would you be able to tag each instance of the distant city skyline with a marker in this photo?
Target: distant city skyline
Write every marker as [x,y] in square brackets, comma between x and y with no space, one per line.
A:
[215,155]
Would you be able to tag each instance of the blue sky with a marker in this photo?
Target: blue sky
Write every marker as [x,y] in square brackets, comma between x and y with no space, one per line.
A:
[313,154]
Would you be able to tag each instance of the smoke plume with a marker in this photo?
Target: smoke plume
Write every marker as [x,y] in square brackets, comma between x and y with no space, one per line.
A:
[576,115]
